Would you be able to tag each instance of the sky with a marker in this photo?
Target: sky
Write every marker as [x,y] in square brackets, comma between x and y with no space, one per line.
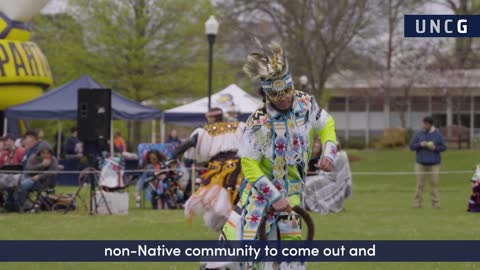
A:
[56,6]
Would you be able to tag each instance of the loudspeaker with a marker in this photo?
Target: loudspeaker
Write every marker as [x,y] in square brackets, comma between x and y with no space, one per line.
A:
[94,114]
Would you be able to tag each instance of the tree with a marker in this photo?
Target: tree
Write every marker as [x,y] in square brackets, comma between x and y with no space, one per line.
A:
[60,38]
[402,62]
[464,53]
[145,49]
[316,34]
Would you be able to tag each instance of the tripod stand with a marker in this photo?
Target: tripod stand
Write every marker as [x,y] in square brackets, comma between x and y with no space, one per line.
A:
[90,176]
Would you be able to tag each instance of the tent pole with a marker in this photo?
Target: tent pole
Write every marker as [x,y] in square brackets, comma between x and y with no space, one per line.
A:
[154,132]
[111,138]
[162,129]
[5,126]
[59,141]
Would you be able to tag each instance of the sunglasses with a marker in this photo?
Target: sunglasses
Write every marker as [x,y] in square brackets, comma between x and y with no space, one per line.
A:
[278,95]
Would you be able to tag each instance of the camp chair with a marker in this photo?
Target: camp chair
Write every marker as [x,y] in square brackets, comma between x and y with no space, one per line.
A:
[42,197]
[9,179]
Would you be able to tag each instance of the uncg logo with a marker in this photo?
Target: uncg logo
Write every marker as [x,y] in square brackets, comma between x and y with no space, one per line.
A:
[441,25]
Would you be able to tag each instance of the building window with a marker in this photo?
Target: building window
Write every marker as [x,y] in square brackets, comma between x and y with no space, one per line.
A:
[398,104]
[477,103]
[419,104]
[376,103]
[357,103]
[336,104]
[461,104]
[439,104]
[439,119]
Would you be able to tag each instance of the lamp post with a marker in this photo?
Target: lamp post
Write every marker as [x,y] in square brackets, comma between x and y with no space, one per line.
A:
[303,81]
[211,29]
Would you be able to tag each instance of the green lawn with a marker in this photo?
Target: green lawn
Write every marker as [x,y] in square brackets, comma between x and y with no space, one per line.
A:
[380,208]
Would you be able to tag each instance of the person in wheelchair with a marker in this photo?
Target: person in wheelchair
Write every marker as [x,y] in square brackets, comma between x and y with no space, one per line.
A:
[160,181]
[149,178]
[170,189]
[37,176]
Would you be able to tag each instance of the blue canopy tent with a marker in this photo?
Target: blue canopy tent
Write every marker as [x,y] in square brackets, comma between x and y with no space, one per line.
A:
[61,103]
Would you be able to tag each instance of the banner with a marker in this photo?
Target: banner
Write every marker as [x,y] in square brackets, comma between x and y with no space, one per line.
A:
[238,251]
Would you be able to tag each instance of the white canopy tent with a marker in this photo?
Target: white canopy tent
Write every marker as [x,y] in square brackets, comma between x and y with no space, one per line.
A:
[232,98]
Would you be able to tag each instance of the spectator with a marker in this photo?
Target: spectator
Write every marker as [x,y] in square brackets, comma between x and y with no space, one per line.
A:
[43,160]
[428,144]
[73,146]
[173,138]
[155,161]
[19,143]
[40,134]
[11,155]
[119,143]
[32,144]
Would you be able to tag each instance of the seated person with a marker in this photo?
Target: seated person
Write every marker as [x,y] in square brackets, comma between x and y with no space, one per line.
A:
[42,161]
[11,155]
[32,145]
[154,162]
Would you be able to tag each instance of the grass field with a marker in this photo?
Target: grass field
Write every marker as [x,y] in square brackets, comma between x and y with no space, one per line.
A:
[380,208]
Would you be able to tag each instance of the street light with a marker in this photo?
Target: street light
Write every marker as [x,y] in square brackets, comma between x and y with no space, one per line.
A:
[303,81]
[211,29]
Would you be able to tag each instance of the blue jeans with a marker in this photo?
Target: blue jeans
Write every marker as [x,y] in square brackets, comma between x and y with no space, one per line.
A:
[26,185]
[141,183]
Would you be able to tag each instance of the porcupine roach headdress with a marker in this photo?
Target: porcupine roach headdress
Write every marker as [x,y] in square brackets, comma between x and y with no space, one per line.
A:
[270,67]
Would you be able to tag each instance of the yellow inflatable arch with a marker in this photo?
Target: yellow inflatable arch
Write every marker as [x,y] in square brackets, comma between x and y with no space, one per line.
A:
[24,70]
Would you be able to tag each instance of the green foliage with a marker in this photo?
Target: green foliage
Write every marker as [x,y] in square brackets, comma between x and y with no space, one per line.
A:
[60,38]
[146,50]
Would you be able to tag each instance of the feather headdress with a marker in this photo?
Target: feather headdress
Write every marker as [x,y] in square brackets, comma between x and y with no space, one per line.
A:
[270,64]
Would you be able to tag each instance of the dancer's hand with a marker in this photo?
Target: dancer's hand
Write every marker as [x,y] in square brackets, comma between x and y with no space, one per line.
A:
[282,205]
[325,164]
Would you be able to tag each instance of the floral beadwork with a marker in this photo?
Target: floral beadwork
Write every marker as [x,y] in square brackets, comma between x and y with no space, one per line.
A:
[280,146]
[254,219]
[297,143]
[265,188]
[260,200]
